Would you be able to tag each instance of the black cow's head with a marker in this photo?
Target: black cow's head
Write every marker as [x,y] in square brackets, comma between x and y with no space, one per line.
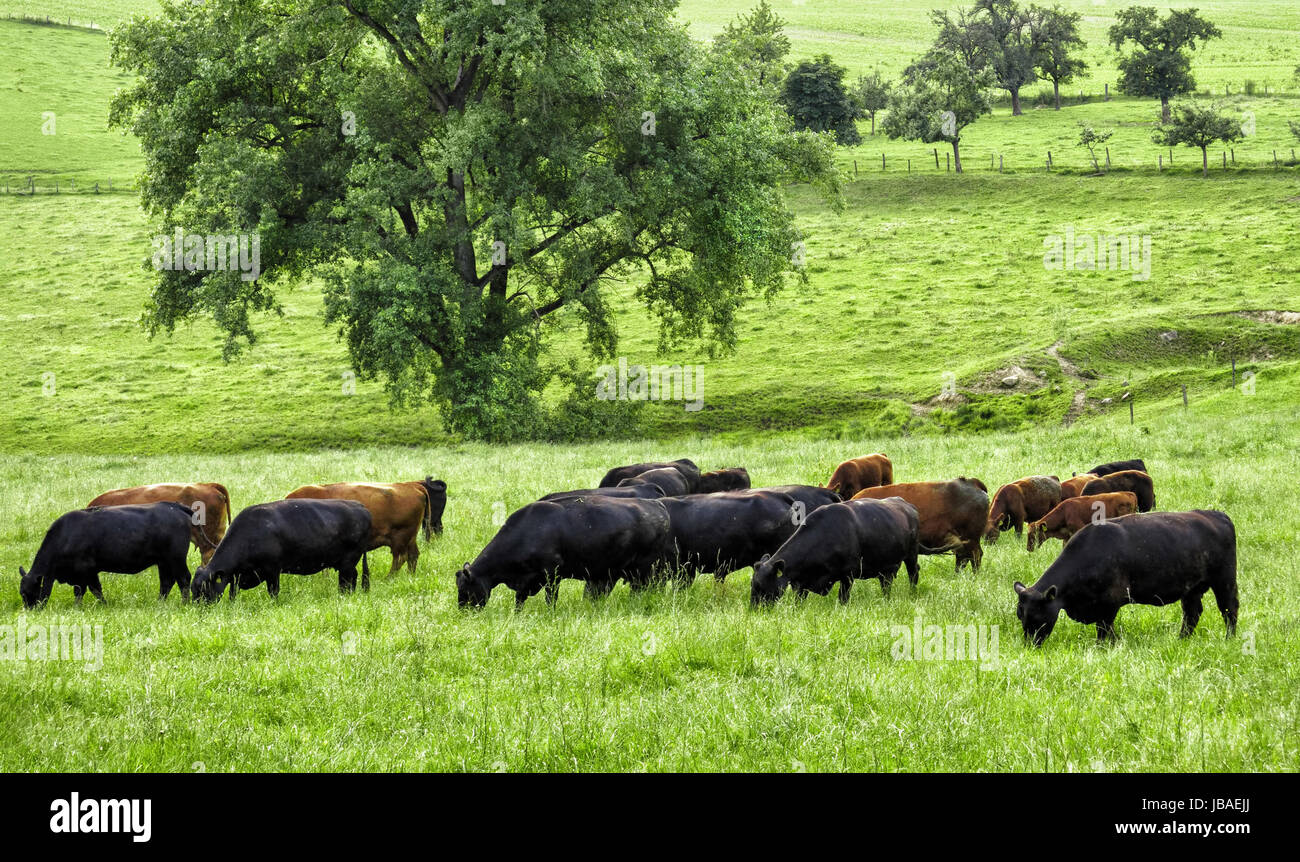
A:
[208,584]
[1037,612]
[470,590]
[29,587]
[766,585]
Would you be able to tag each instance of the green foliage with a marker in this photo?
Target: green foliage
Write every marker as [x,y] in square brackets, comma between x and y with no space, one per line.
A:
[758,42]
[870,95]
[939,97]
[1159,65]
[1198,126]
[1091,139]
[1056,45]
[817,101]
[460,175]
[1012,47]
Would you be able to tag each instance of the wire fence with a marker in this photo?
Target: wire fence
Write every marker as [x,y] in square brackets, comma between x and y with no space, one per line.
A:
[54,21]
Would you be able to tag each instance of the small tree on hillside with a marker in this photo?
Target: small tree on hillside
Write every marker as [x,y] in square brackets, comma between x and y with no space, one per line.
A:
[1196,126]
[758,43]
[1091,139]
[815,98]
[939,97]
[870,95]
[1159,65]
[1010,38]
[1056,41]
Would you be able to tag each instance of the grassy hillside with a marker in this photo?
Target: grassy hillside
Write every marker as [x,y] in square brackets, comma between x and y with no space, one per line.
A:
[924,274]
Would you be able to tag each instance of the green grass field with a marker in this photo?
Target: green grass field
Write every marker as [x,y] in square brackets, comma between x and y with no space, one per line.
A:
[923,277]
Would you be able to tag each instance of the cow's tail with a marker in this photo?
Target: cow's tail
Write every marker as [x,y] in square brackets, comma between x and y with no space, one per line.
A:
[365,568]
[954,545]
[225,494]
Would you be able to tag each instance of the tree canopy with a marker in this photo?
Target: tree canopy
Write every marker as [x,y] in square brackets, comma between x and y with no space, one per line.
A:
[1158,65]
[816,98]
[462,177]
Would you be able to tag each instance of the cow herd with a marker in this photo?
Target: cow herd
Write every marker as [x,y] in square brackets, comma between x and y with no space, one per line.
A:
[655,522]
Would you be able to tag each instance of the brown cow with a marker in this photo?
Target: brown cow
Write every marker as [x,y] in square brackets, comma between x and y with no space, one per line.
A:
[1126,480]
[1020,502]
[953,515]
[1073,486]
[397,511]
[853,475]
[207,523]
[1075,513]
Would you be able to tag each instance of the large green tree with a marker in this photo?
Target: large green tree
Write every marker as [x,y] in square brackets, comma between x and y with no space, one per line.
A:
[1010,39]
[1056,43]
[940,95]
[462,174]
[1158,65]
[870,96]
[815,95]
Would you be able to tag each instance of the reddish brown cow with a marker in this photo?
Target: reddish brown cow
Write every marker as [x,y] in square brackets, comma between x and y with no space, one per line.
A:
[853,475]
[207,523]
[1126,480]
[1073,486]
[1075,513]
[952,515]
[397,511]
[1020,502]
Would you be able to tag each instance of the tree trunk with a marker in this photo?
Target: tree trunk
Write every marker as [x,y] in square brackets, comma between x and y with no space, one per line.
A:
[1056,91]
[1015,102]
[1205,161]
[873,123]
[956,156]
[1164,109]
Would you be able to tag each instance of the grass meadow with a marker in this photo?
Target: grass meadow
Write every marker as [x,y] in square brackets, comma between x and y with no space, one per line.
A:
[922,277]
[689,679]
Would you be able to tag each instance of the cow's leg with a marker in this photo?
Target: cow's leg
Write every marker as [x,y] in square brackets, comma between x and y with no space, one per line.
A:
[183,578]
[412,555]
[398,560]
[913,569]
[96,589]
[1106,628]
[1225,595]
[887,581]
[976,555]
[347,578]
[273,584]
[165,582]
[1191,615]
[846,586]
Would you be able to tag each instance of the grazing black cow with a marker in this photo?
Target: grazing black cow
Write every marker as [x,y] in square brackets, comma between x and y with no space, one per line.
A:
[299,536]
[595,539]
[812,496]
[670,481]
[121,539]
[730,479]
[644,491]
[1150,559]
[1136,481]
[685,466]
[864,538]
[1117,466]
[729,530]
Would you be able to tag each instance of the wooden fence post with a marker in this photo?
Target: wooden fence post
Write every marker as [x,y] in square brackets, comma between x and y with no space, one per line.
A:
[1184,396]
[936,158]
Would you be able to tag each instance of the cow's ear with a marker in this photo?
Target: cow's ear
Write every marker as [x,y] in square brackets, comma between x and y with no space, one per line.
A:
[1050,592]
[763,559]
[1021,589]
[22,573]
